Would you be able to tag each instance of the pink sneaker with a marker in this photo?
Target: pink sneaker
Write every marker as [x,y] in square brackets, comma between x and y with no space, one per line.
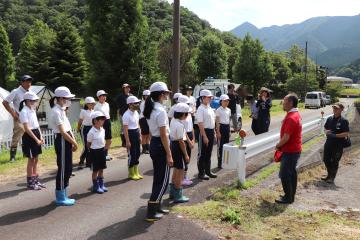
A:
[187,182]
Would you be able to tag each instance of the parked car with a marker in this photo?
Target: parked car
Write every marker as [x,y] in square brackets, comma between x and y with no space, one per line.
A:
[315,100]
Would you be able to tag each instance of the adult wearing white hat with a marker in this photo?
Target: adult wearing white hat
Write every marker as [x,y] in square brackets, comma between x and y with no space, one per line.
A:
[145,131]
[160,152]
[84,126]
[15,97]
[205,116]
[65,143]
[175,98]
[32,139]
[132,136]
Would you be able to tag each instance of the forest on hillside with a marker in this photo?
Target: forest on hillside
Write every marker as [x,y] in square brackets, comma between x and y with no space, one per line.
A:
[91,44]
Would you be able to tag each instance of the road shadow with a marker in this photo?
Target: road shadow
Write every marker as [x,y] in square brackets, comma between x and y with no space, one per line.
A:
[30,214]
[149,172]
[123,230]
[115,183]
[12,193]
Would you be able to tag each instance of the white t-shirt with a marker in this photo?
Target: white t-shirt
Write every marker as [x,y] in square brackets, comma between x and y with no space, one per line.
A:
[58,117]
[206,115]
[177,130]
[96,137]
[104,108]
[188,123]
[158,119]
[192,104]
[131,118]
[16,96]
[223,114]
[171,111]
[27,115]
[85,115]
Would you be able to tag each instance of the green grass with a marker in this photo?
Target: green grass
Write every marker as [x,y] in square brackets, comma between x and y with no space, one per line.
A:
[47,160]
[350,92]
[264,174]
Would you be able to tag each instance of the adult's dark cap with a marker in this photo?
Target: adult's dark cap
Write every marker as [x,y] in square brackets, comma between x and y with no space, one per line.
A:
[338,105]
[26,78]
[188,88]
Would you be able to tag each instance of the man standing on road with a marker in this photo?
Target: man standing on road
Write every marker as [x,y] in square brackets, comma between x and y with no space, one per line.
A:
[290,145]
[233,100]
[336,129]
[122,106]
[16,97]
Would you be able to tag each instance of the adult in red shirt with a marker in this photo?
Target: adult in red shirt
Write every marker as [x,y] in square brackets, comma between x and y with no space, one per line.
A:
[290,145]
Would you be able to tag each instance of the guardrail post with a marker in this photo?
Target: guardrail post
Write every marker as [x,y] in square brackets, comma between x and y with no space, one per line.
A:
[322,123]
[241,165]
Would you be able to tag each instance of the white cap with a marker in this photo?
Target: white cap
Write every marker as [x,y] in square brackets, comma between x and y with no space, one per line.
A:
[183,99]
[177,95]
[132,99]
[89,100]
[159,87]
[125,85]
[97,114]
[63,92]
[146,92]
[101,92]
[224,97]
[206,93]
[30,96]
[182,108]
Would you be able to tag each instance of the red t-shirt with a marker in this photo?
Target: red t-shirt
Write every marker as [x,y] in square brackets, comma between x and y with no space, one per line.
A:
[292,126]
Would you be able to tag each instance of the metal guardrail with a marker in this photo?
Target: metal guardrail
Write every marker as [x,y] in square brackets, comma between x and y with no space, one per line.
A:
[256,145]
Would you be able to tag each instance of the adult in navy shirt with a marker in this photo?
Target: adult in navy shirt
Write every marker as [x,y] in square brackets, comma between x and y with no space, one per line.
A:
[263,104]
[122,107]
[336,129]
[233,100]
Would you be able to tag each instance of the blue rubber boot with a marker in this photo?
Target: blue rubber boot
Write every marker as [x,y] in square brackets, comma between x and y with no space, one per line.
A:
[67,198]
[179,197]
[96,187]
[101,184]
[61,200]
[171,191]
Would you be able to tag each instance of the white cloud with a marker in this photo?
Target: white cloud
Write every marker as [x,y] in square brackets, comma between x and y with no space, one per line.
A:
[227,14]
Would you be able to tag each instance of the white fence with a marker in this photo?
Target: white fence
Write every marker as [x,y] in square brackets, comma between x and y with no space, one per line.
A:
[48,135]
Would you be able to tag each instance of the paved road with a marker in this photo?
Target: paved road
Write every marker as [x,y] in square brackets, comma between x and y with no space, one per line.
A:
[117,214]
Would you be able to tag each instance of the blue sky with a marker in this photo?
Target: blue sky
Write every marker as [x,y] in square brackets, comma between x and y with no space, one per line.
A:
[227,14]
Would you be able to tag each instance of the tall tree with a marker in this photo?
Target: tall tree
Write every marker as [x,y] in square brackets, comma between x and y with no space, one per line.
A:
[67,59]
[212,58]
[35,52]
[115,42]
[249,66]
[7,61]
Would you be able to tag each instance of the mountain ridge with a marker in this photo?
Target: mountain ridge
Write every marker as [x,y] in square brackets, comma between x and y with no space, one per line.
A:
[325,36]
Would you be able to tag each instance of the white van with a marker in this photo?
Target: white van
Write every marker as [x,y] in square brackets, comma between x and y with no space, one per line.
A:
[315,100]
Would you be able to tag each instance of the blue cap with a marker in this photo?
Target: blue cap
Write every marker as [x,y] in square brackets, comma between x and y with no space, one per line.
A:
[26,78]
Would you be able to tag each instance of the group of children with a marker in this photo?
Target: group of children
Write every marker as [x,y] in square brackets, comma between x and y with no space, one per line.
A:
[170,145]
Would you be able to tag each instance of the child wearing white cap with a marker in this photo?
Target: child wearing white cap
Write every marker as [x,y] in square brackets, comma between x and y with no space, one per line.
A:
[205,116]
[32,139]
[190,140]
[223,116]
[132,136]
[145,131]
[84,126]
[178,151]
[104,107]
[160,152]
[65,143]
[96,144]
[171,111]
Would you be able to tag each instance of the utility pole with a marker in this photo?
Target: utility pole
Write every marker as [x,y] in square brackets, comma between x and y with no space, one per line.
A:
[306,54]
[175,81]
